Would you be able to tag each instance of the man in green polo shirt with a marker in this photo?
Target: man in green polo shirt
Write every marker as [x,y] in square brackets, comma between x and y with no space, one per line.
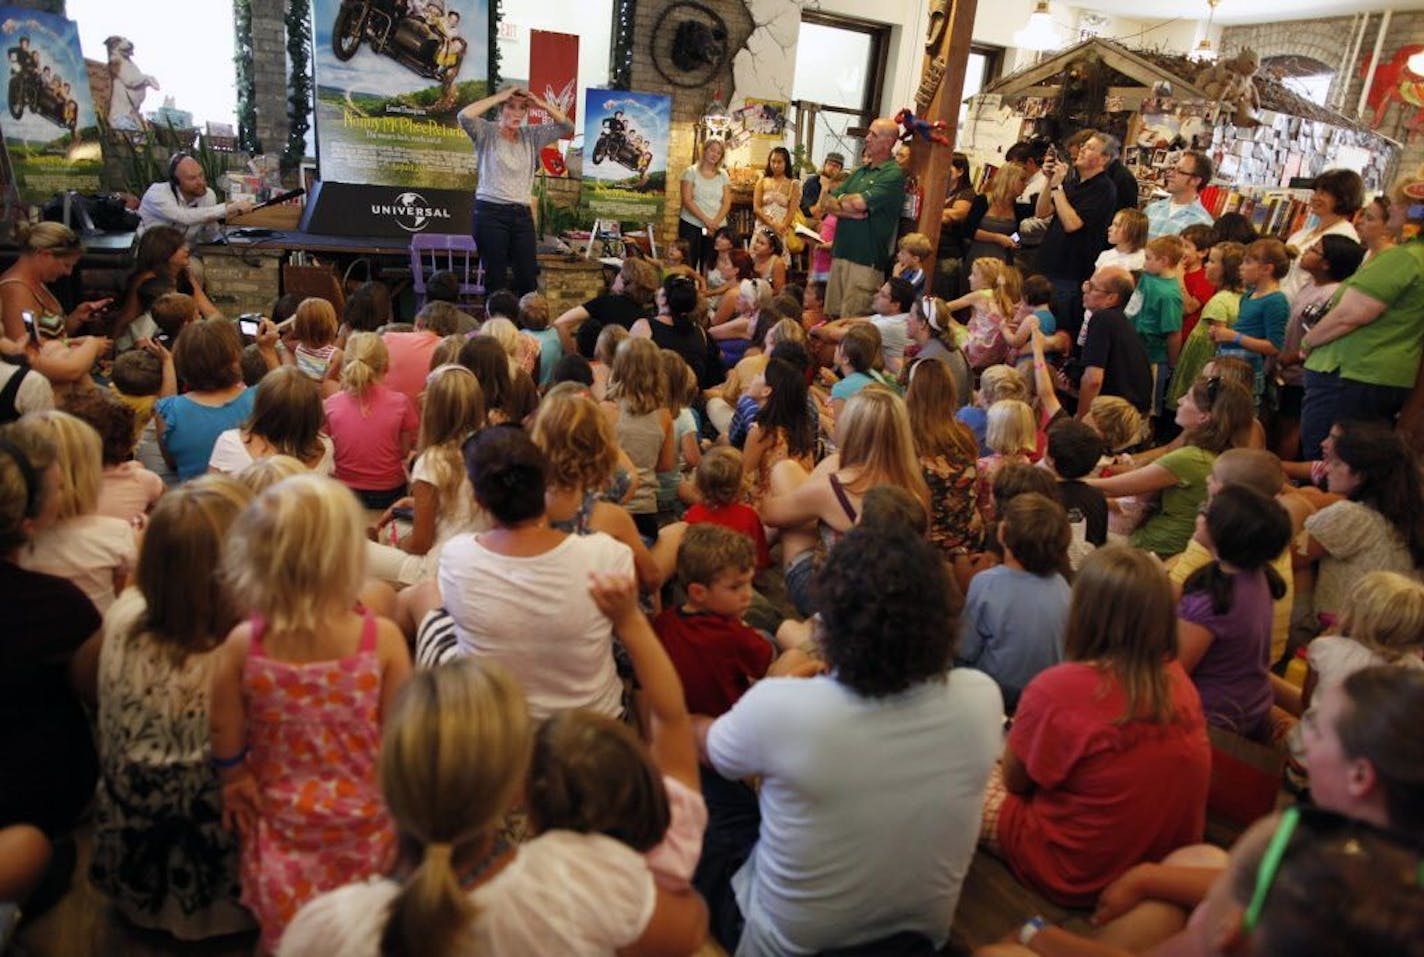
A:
[867,209]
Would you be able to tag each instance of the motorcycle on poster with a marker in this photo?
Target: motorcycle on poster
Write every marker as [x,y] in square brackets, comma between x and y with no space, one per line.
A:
[625,154]
[391,75]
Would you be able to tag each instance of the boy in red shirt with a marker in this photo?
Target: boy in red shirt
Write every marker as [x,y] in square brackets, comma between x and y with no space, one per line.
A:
[719,487]
[716,655]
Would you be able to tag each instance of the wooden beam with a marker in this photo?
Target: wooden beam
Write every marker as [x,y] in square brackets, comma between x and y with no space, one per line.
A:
[930,162]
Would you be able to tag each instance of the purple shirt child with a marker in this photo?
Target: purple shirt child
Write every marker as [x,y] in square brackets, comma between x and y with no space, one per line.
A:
[1233,677]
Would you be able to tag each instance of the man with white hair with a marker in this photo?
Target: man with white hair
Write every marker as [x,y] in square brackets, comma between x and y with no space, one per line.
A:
[867,209]
[1081,211]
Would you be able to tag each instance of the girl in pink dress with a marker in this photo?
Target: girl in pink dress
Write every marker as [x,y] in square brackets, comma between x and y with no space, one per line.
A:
[298,695]
[995,289]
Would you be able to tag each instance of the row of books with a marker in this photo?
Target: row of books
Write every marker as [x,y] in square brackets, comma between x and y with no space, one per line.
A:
[1273,212]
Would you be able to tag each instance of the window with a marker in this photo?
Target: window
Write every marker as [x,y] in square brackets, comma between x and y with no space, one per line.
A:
[193,64]
[983,66]
[840,66]
[1304,76]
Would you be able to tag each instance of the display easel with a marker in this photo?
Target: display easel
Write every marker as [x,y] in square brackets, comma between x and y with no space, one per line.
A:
[608,235]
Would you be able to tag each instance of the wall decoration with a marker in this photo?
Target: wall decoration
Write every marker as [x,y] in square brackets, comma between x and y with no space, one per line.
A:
[625,154]
[764,118]
[49,123]
[389,85]
[1394,82]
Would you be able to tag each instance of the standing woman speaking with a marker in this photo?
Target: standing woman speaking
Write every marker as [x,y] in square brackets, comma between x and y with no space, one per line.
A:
[507,151]
[706,200]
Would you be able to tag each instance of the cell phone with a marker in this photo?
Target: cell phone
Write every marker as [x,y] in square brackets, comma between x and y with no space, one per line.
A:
[248,323]
[163,339]
[30,328]
[1015,237]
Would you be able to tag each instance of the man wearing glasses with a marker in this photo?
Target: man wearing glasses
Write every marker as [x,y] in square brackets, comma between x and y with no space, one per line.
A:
[1112,357]
[1081,209]
[1183,206]
[867,209]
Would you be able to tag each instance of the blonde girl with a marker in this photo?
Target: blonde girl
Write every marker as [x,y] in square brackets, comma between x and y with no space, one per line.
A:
[1223,271]
[442,501]
[636,406]
[604,348]
[373,428]
[682,392]
[522,351]
[1382,623]
[461,889]
[95,552]
[314,328]
[1011,437]
[1128,234]
[994,292]
[298,695]
[160,799]
[576,437]
[876,447]
[265,473]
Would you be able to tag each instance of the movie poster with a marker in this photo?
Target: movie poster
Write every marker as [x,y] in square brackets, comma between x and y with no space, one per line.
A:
[625,149]
[49,125]
[391,75]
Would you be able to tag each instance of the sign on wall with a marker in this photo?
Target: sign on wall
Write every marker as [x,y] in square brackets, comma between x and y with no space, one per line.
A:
[49,125]
[388,88]
[625,149]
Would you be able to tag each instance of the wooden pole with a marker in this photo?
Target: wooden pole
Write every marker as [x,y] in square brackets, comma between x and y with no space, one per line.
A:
[930,162]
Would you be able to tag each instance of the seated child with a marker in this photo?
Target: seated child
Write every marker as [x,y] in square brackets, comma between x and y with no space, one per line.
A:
[995,384]
[1158,318]
[534,323]
[1382,623]
[1224,615]
[1035,314]
[316,354]
[1011,437]
[1073,452]
[1015,613]
[502,305]
[718,481]
[127,490]
[716,655]
[910,257]
[171,312]
[144,327]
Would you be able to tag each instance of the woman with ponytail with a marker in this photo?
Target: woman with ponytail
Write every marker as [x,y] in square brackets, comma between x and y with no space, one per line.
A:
[372,427]
[453,759]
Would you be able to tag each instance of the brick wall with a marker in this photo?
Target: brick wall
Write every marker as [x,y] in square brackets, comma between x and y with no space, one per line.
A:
[567,284]
[269,56]
[242,280]
[1329,40]
[688,105]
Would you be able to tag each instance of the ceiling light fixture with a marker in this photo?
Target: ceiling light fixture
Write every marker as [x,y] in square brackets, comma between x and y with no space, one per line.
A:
[1204,51]
[1039,32]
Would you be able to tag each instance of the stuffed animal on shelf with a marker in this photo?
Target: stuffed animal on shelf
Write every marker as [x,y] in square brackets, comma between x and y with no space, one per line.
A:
[913,125]
[1232,83]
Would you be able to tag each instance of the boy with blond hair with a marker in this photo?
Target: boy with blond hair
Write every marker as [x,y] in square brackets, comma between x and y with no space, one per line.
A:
[910,256]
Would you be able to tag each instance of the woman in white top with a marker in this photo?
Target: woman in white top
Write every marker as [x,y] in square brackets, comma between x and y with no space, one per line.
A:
[518,592]
[1338,195]
[706,200]
[458,888]
[287,419]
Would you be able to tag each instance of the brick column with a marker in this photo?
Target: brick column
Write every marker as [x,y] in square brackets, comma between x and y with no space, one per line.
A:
[269,67]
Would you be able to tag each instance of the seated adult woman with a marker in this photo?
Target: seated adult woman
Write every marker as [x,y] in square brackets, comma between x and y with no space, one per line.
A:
[625,302]
[931,327]
[1107,763]
[868,819]
[517,593]
[48,253]
[162,251]
[208,358]
[47,655]
[678,326]
[287,419]
[457,887]
[1211,413]
[732,329]
[1378,526]
[815,510]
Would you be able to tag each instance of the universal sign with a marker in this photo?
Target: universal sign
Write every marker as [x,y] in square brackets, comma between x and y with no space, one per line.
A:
[353,209]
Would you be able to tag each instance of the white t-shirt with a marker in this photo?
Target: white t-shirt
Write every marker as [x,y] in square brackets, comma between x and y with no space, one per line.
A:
[141,328]
[894,334]
[230,455]
[86,549]
[35,394]
[1334,658]
[870,807]
[1112,256]
[461,515]
[535,616]
[574,895]
[706,193]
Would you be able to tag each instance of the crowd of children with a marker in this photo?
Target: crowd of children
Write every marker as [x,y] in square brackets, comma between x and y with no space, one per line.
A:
[236,553]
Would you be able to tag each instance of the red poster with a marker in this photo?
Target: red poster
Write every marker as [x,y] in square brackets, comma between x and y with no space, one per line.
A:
[553,71]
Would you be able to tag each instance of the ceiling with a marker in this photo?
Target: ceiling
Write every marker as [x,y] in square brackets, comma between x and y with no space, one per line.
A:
[1243,11]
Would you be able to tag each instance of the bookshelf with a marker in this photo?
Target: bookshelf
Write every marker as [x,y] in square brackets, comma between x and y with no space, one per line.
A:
[1272,210]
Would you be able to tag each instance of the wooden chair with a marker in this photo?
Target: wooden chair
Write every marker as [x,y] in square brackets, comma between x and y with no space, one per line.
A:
[436,252]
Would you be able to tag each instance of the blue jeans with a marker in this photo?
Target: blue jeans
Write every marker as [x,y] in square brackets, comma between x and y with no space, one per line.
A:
[1329,398]
[504,233]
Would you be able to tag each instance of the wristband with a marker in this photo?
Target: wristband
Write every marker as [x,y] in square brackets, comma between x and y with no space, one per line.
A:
[1030,929]
[1237,340]
[223,764]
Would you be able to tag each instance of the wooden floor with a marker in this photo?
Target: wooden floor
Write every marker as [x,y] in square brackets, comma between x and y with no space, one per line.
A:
[83,925]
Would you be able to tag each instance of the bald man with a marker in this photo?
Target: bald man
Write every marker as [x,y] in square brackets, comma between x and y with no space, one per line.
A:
[1112,356]
[186,202]
[867,209]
